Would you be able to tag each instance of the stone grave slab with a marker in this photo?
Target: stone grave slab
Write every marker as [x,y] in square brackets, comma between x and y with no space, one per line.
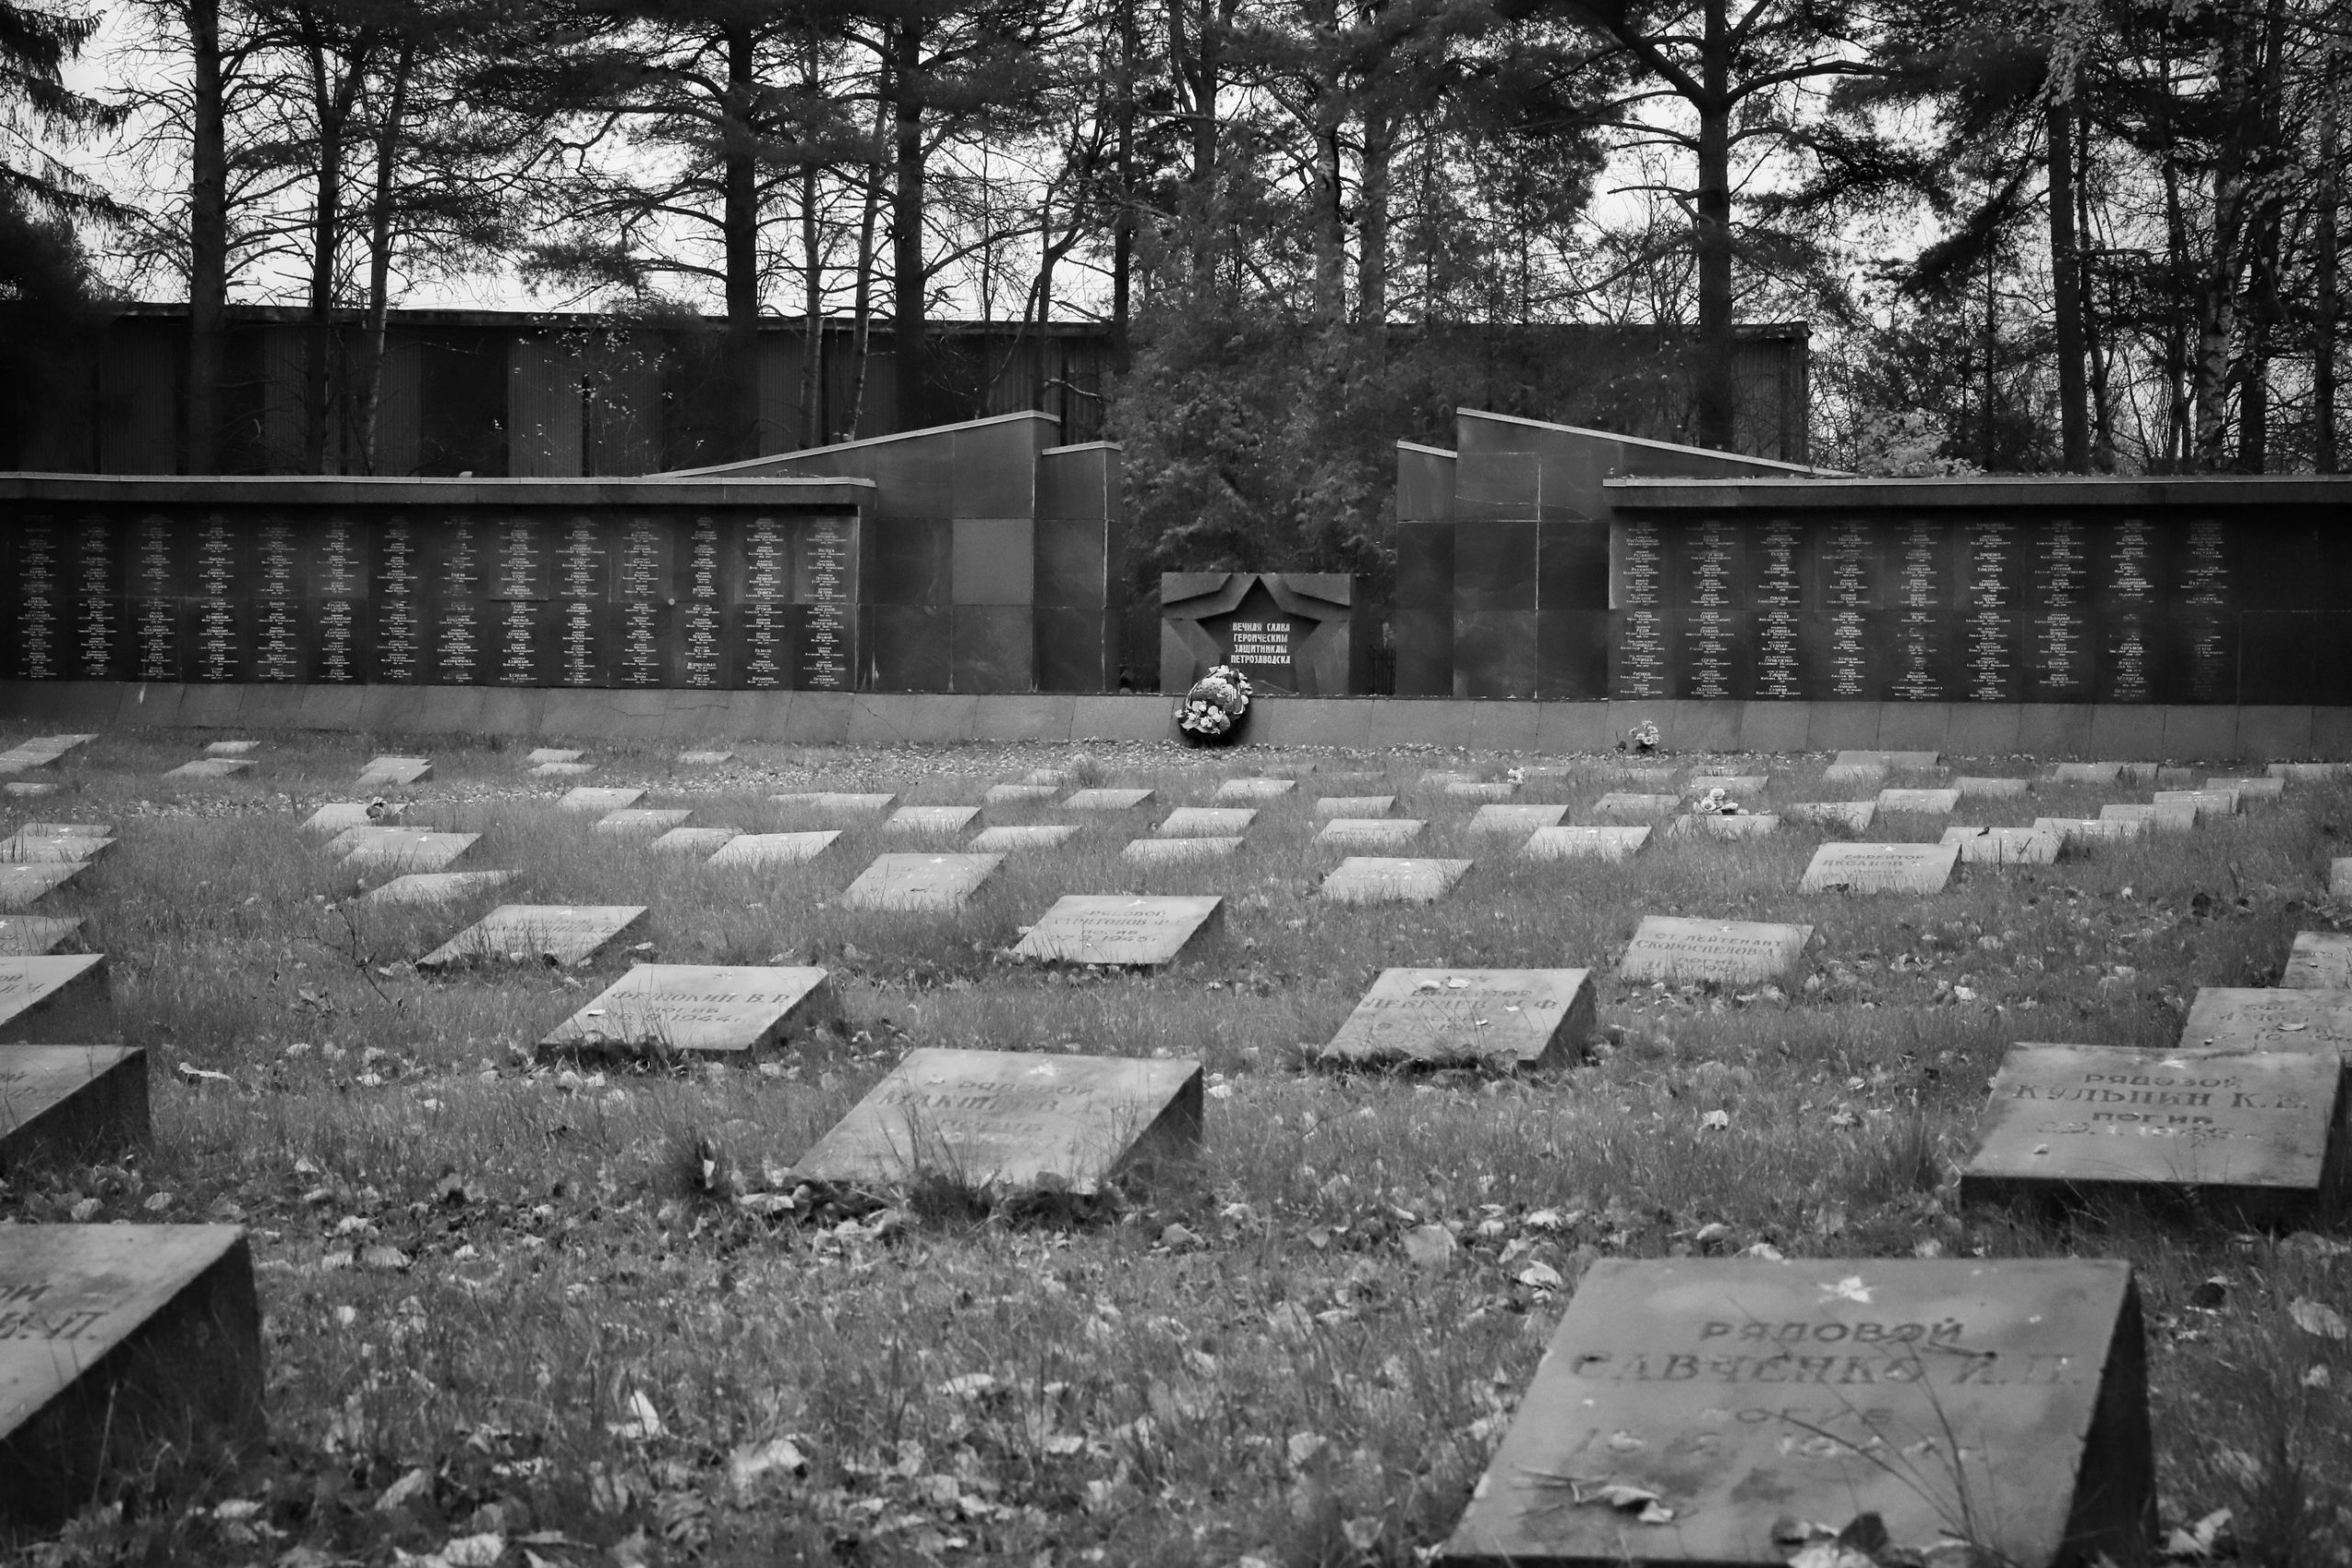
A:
[641,819]
[2171,816]
[232,748]
[1255,789]
[211,768]
[1567,843]
[1501,1017]
[703,842]
[836,804]
[1673,947]
[1851,816]
[26,935]
[436,887]
[1053,778]
[2005,846]
[1383,879]
[75,1103]
[2206,803]
[561,769]
[704,759]
[397,771]
[568,933]
[1106,799]
[1854,774]
[114,1341]
[2086,773]
[1741,1394]
[540,755]
[599,798]
[1167,851]
[2090,830]
[56,998]
[1438,778]
[1491,818]
[919,882]
[409,849]
[1642,778]
[1880,868]
[1724,825]
[2243,1129]
[2267,790]
[747,849]
[1205,821]
[1121,929]
[1028,836]
[1019,794]
[1481,789]
[2320,961]
[1368,832]
[336,816]
[1895,761]
[22,884]
[724,1011]
[2339,877]
[48,843]
[2305,773]
[1997,788]
[1007,1121]
[1355,805]
[931,819]
[1732,785]
[2269,1018]
[1619,802]
[21,790]
[1920,802]
[2157,776]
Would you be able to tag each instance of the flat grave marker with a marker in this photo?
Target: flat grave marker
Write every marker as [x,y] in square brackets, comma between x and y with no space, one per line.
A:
[2090,830]
[2267,790]
[2086,773]
[1120,928]
[1923,1382]
[1368,832]
[1167,851]
[1854,774]
[748,850]
[1920,802]
[641,819]
[929,883]
[56,998]
[599,798]
[1255,789]
[1523,819]
[1027,836]
[2170,817]
[1674,948]
[232,748]
[436,887]
[1106,799]
[2269,1018]
[835,804]
[397,771]
[1896,762]
[2005,846]
[1851,816]
[699,841]
[1382,879]
[2157,776]
[211,768]
[931,819]
[2320,961]
[719,1011]
[1880,868]
[1019,794]
[407,849]
[1053,778]
[40,751]
[50,842]
[561,769]
[114,1339]
[1567,843]
[1618,803]
[2305,773]
[1503,1017]
[1355,805]
[2207,802]
[1973,785]
[70,1103]
[564,933]
[1724,824]
[28,935]
[1440,778]
[1732,785]
[541,755]
[21,884]
[338,816]
[704,759]
[2242,1129]
[1205,821]
[1006,1122]
[22,790]
[1481,789]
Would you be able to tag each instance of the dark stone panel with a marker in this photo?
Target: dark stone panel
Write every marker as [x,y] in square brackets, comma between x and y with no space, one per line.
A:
[339,652]
[1846,649]
[1710,566]
[2332,642]
[1491,485]
[399,640]
[2060,654]
[2278,566]
[1073,486]
[708,561]
[1991,655]
[2131,566]
[996,470]
[279,640]
[98,641]
[908,561]
[579,634]
[1422,625]
[2130,733]
[1070,639]
[218,634]
[1572,655]
[1572,565]
[768,645]
[461,645]
[827,661]
[1849,565]
[1494,653]
[1070,562]
[521,637]
[908,647]
[1424,487]
[2129,661]
[1711,655]
[338,556]
[2201,660]
[644,631]
[1641,655]
[704,661]
[1780,564]
[2058,556]
[2278,658]
[915,477]
[1783,669]
[158,632]
[1494,567]
[993,560]
[995,649]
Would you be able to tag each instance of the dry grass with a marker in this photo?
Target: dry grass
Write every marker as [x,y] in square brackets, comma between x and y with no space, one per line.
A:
[1270,1380]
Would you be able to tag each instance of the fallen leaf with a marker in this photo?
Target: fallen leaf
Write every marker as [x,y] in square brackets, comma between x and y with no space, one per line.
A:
[403,1491]
[2317,1317]
[1430,1246]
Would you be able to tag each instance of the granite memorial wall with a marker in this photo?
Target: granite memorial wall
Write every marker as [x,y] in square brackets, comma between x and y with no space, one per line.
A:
[1303,634]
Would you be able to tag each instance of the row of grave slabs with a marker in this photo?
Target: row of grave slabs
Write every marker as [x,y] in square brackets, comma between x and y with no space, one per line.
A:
[1688,1408]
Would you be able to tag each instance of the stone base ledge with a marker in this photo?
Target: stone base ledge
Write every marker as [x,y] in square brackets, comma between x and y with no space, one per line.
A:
[2155,733]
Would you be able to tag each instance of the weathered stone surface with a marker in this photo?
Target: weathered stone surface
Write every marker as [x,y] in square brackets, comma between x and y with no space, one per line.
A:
[1850,816]
[2267,790]
[2305,773]
[1566,842]
[561,769]
[232,748]
[835,804]
[1741,1394]
[56,998]
[1671,947]
[640,820]
[2005,846]
[1123,929]
[600,798]
[747,849]
[211,768]
[1206,821]
[21,884]
[436,887]
[1053,778]
[115,1340]
[2089,829]
[1895,761]
[704,759]
[1529,1017]
[2270,1019]
[720,1010]
[931,819]
[2086,773]
[1031,836]
[1975,785]
[1007,1121]
[1921,802]
[2339,877]
[406,849]
[2322,961]
[2172,816]
[544,754]
[1378,879]
[1165,852]
[337,816]
[1617,803]
[397,771]
[1019,794]
[1107,799]
[1355,805]
[2208,803]
[70,1103]
[1724,825]
[567,934]
[21,789]
[2237,1128]
[919,881]
[1515,818]
[1255,789]
[24,935]
[1732,785]
[1440,778]
[1853,773]
[53,842]
[1368,832]
[1880,868]
[701,843]
[1481,789]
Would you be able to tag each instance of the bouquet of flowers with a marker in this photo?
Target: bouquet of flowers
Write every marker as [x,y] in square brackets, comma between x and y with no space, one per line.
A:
[1717,805]
[1215,705]
[1642,736]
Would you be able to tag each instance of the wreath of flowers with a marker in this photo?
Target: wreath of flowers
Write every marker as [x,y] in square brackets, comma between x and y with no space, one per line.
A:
[1214,703]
